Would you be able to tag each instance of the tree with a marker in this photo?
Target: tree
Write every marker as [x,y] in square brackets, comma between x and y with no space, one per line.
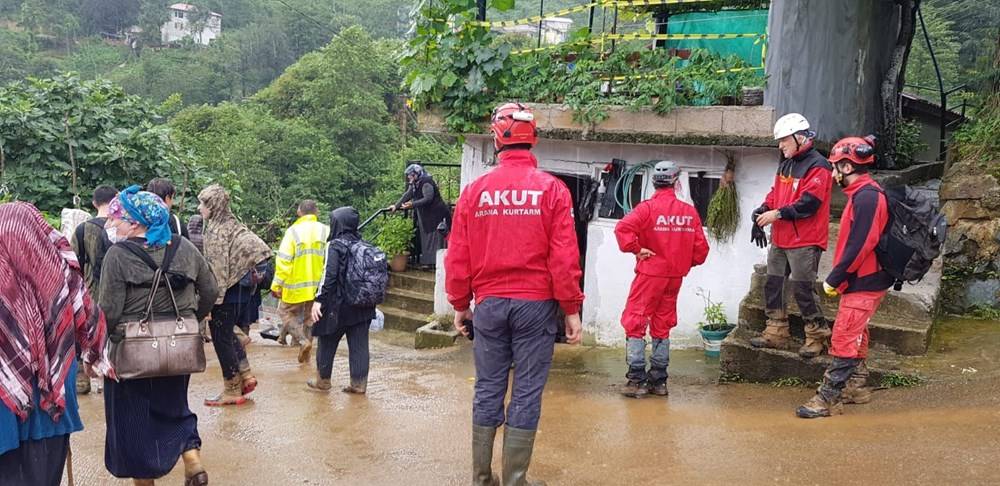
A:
[892,83]
[61,137]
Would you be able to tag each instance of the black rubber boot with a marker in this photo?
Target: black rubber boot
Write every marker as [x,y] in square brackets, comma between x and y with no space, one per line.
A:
[517,447]
[482,456]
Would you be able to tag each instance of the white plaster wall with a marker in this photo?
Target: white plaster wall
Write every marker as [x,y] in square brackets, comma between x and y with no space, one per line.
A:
[171,33]
[609,273]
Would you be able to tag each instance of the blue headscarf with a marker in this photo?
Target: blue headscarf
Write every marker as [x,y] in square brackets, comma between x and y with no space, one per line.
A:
[137,206]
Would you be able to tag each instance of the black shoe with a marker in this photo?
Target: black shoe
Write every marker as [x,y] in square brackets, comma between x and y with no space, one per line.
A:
[634,389]
[659,389]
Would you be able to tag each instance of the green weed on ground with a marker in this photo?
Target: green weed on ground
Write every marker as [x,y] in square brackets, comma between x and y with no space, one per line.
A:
[899,380]
[791,382]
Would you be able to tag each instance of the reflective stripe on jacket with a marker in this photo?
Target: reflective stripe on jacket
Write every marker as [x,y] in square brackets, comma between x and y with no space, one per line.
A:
[300,260]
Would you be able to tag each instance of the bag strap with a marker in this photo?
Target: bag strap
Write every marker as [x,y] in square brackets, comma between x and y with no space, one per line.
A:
[159,272]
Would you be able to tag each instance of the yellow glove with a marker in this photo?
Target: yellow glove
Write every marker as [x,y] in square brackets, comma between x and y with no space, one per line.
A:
[830,291]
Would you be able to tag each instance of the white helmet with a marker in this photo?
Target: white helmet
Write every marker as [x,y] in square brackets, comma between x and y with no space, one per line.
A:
[790,124]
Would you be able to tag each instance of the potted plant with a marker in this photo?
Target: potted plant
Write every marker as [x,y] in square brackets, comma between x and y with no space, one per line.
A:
[394,240]
[715,327]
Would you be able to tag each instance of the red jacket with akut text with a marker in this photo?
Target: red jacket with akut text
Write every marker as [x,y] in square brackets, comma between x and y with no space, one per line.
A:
[513,236]
[801,193]
[668,227]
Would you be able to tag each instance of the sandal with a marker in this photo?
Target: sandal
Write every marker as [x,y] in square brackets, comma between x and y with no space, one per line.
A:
[200,479]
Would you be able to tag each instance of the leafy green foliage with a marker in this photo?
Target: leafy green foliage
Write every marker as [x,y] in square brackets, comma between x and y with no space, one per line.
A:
[790,382]
[114,139]
[900,380]
[715,314]
[395,236]
[466,71]
[724,213]
[908,143]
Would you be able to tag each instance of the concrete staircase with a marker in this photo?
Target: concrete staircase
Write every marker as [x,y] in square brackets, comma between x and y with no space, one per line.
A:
[410,300]
[901,327]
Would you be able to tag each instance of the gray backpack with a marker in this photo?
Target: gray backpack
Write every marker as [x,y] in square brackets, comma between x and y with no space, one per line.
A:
[367,274]
[913,237]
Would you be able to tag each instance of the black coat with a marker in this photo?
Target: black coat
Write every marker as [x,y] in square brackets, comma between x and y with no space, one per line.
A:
[335,312]
[431,208]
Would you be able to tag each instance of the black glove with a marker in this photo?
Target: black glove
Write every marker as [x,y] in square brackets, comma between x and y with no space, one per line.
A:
[758,237]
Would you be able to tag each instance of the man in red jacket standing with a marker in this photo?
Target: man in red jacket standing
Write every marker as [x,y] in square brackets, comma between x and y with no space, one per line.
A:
[857,275]
[513,249]
[798,211]
[666,236]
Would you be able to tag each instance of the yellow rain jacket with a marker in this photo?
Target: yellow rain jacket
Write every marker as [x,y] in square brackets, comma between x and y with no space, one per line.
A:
[299,263]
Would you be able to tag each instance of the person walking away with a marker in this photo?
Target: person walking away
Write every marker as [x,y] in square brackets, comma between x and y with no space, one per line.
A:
[164,188]
[666,237]
[47,317]
[517,293]
[149,422]
[238,259]
[90,242]
[297,270]
[856,275]
[433,214]
[798,210]
[334,315]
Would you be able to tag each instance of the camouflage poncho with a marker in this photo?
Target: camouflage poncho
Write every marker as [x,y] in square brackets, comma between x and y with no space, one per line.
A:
[230,247]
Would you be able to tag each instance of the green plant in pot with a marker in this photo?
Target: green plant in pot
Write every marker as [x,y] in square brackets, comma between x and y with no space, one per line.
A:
[715,327]
[394,240]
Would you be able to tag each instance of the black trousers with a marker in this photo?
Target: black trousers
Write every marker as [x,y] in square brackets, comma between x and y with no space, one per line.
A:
[227,346]
[358,358]
[35,462]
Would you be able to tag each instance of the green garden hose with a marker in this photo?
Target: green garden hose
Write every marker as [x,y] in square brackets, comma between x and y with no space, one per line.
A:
[623,188]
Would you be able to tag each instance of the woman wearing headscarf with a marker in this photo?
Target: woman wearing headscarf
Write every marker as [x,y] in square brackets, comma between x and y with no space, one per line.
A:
[433,214]
[334,317]
[239,261]
[46,314]
[149,422]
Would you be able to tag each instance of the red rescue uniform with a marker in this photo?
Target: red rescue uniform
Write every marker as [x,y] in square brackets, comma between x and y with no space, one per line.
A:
[672,230]
[514,237]
[856,271]
[801,193]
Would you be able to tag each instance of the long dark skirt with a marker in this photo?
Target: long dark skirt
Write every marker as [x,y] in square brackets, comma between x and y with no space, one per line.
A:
[35,462]
[149,426]
[430,243]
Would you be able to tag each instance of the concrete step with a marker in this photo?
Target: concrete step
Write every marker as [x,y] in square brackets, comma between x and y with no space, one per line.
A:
[741,360]
[409,300]
[416,281]
[901,324]
[402,320]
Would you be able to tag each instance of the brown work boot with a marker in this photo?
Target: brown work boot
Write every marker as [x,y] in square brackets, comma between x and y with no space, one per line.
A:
[775,335]
[249,381]
[634,389]
[232,394]
[817,406]
[305,351]
[817,339]
[856,391]
[82,382]
[319,384]
[356,388]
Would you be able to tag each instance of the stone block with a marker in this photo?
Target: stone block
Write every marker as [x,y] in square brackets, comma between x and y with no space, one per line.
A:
[749,121]
[968,186]
[619,120]
[559,117]
[700,120]
[650,122]
[958,209]
[434,335]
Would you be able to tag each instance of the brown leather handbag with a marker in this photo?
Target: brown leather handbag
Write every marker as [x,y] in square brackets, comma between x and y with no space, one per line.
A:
[158,346]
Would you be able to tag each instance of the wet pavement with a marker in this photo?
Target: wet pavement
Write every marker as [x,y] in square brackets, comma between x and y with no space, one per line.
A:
[413,426]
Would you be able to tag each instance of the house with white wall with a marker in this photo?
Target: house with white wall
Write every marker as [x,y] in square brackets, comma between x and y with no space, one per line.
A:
[187,21]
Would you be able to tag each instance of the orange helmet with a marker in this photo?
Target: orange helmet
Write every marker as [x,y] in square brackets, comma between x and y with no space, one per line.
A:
[513,124]
[858,150]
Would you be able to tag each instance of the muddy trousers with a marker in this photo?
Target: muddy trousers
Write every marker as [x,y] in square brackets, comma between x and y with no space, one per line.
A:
[836,376]
[519,333]
[799,266]
[635,353]
[227,346]
[357,349]
[296,319]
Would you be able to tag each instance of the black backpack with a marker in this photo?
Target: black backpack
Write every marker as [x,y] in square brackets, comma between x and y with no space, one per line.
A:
[367,274]
[913,236]
[103,244]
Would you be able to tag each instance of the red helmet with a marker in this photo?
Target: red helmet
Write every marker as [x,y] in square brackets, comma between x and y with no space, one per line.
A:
[513,124]
[858,150]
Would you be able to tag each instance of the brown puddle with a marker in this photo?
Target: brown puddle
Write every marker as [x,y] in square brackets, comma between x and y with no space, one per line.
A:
[413,426]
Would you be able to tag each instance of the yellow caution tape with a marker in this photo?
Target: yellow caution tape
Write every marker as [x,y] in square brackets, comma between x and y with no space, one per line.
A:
[652,76]
[645,36]
[536,19]
[643,3]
